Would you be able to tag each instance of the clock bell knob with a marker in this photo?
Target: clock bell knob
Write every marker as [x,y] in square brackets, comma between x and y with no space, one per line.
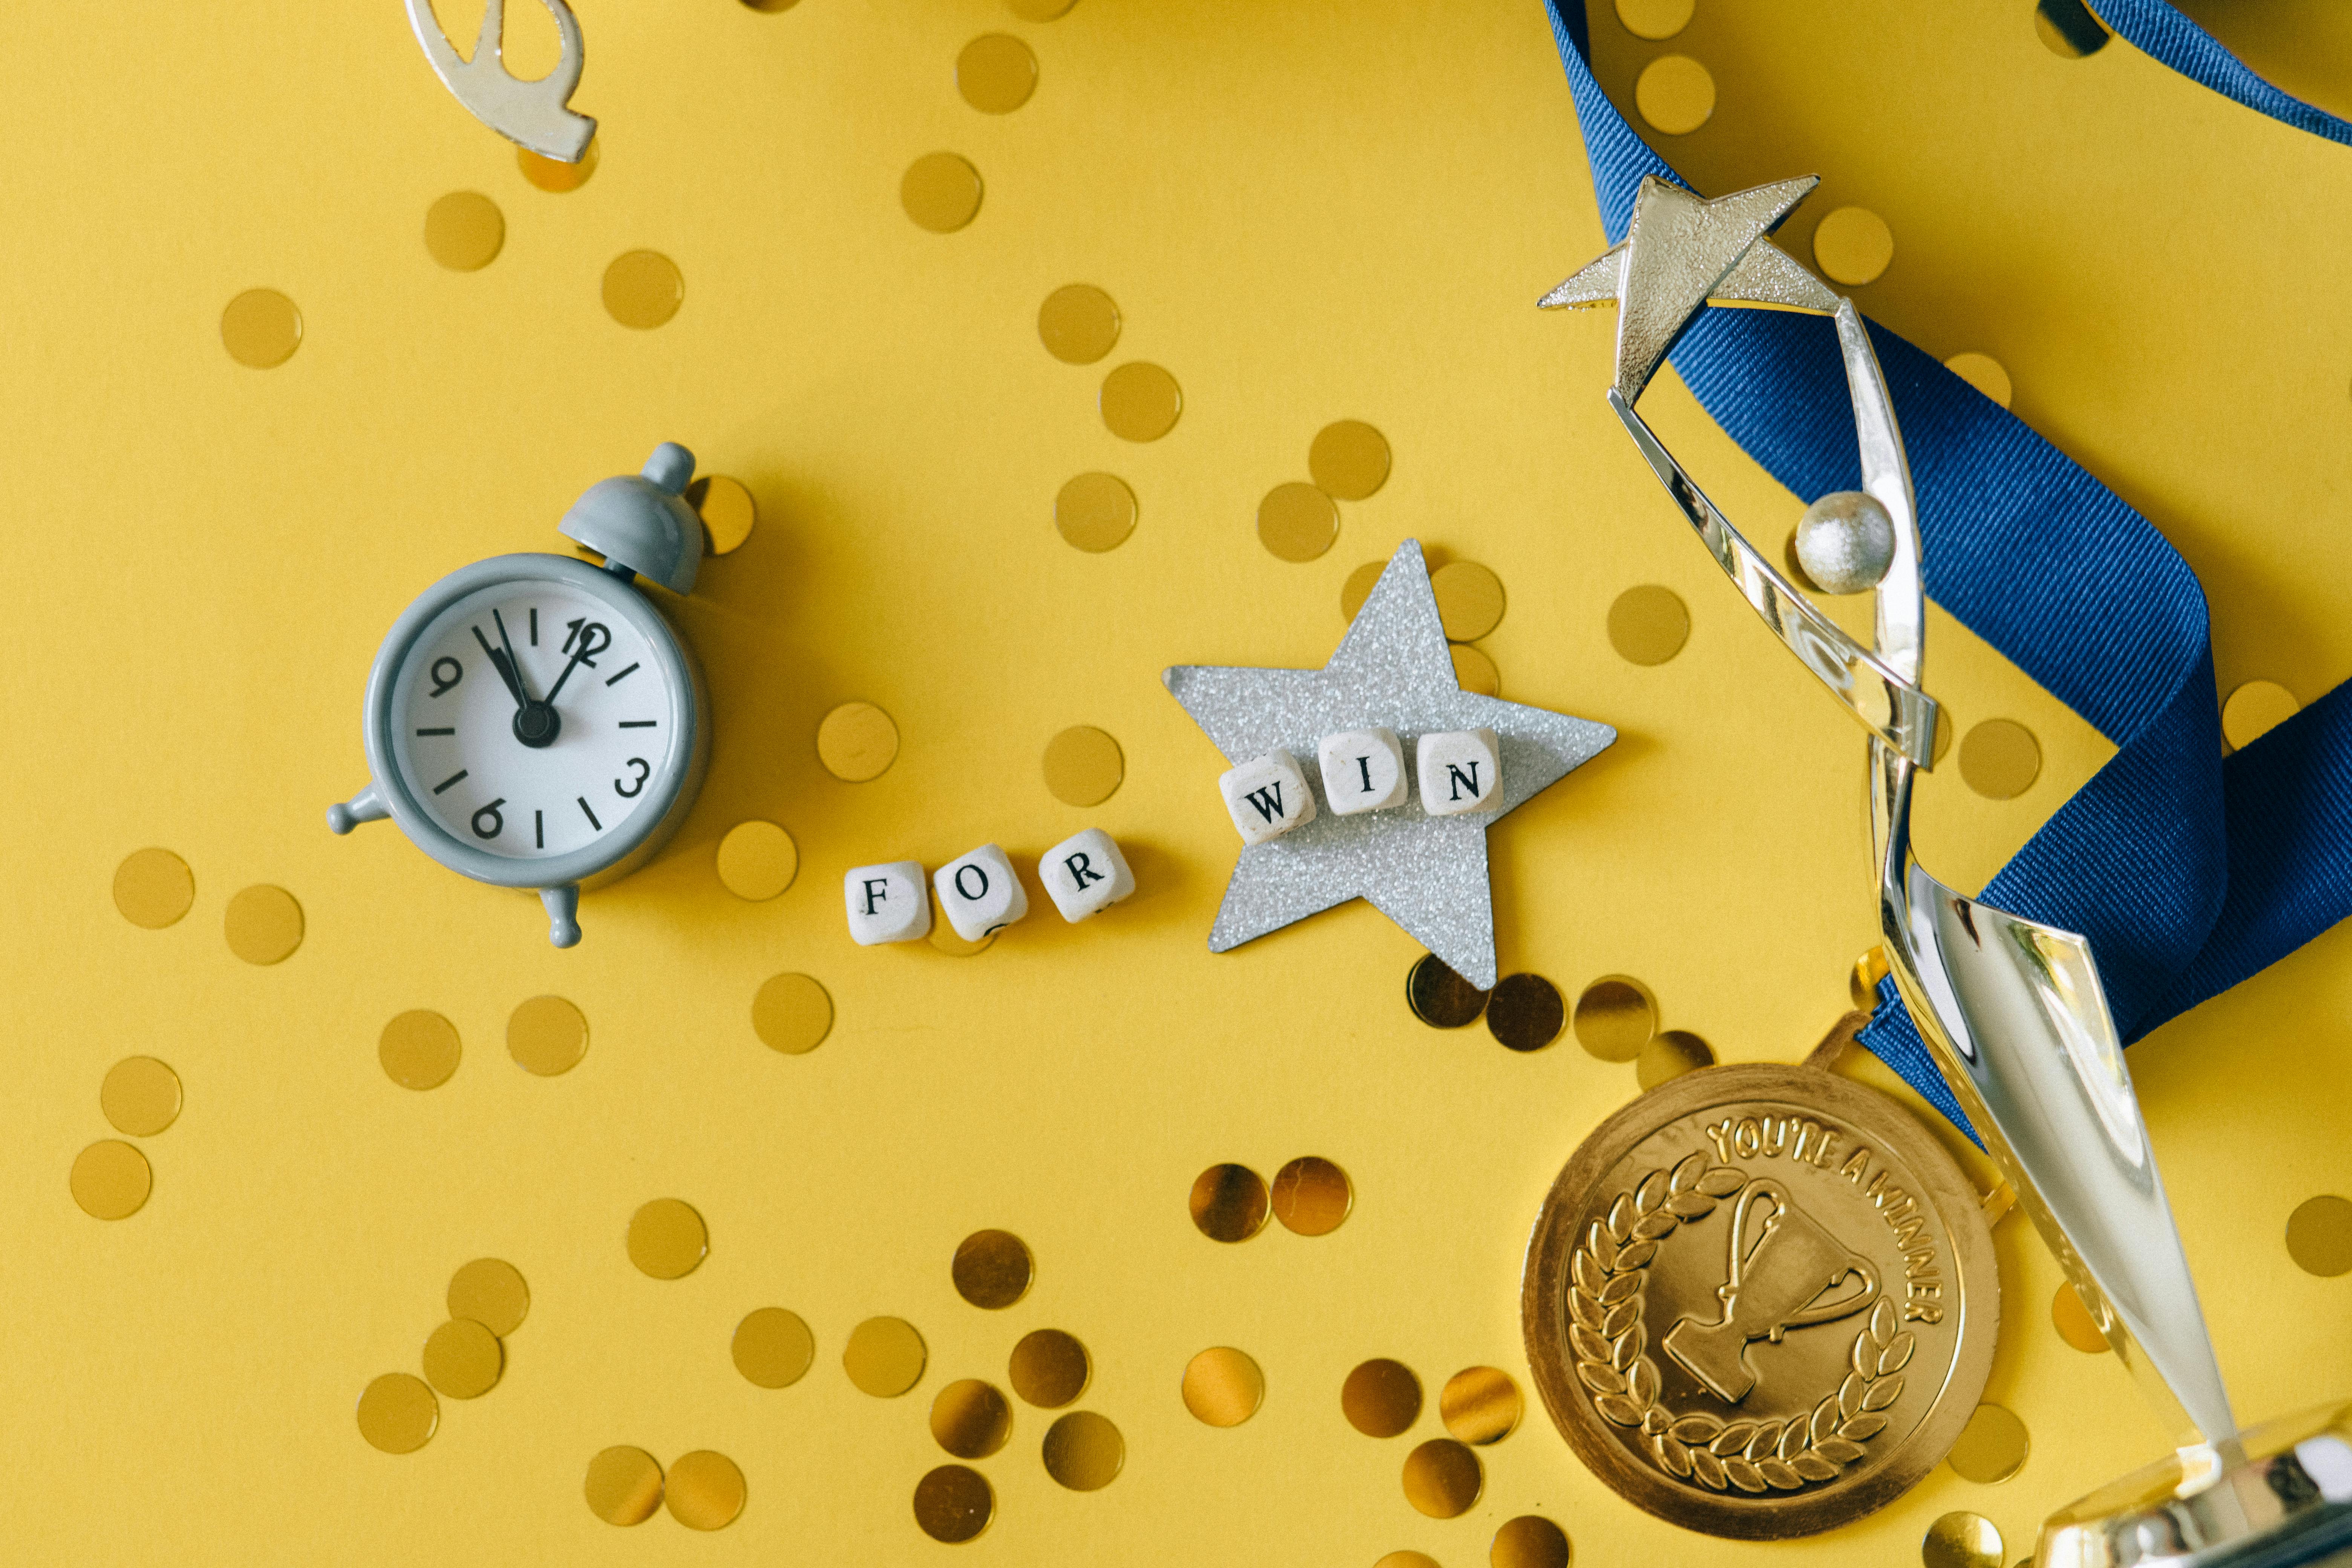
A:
[641,522]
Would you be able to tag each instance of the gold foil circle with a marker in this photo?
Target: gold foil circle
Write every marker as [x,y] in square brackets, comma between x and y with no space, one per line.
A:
[2000,759]
[1312,1195]
[547,1036]
[1439,997]
[953,1503]
[757,860]
[856,742]
[792,1014]
[1481,1405]
[1297,521]
[772,1348]
[1229,1203]
[996,73]
[1084,1451]
[971,1419]
[885,1357]
[154,888]
[1654,19]
[1381,1398]
[1615,1017]
[1443,1478]
[624,1486]
[1962,1539]
[463,1359]
[1530,1540]
[1991,1448]
[1049,1368]
[1669,1055]
[1469,599]
[1084,766]
[941,191]
[667,1239]
[1984,373]
[555,176]
[263,925]
[1078,324]
[1524,1012]
[398,1414]
[993,1269]
[1141,402]
[110,1180]
[2319,1236]
[1223,1386]
[1852,246]
[1095,512]
[1358,587]
[140,1096]
[643,290]
[728,511]
[705,1490]
[1474,671]
[1407,1560]
[418,1049]
[491,1291]
[465,230]
[1039,10]
[2073,1321]
[2253,710]
[1348,460]
[261,329]
[1648,624]
[1674,94]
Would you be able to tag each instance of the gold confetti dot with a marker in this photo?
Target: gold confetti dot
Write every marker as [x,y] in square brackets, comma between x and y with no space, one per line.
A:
[625,1485]
[261,329]
[1469,599]
[110,1180]
[792,1014]
[2067,28]
[418,1049]
[140,1096]
[996,73]
[1229,1203]
[642,289]
[2000,759]
[971,1419]
[1524,1012]
[1084,1451]
[1439,997]
[547,1036]
[491,1291]
[1984,373]
[993,1269]
[1358,587]
[1083,767]
[1407,1560]
[1078,324]
[1670,1055]
[1962,1539]
[1615,1017]
[1095,512]
[398,1414]
[556,175]
[1531,1541]
[1852,246]
[1297,521]
[1474,671]
[1654,19]
[1039,10]
[263,925]
[1223,1387]
[885,1357]
[464,230]
[1480,1404]
[1443,1478]
[667,1239]
[1674,94]
[2254,711]
[1381,1398]
[856,742]
[1141,402]
[1863,984]
[953,1504]
[726,509]
[1049,1368]
[704,1491]
[772,1348]
[1312,1195]
[1991,1448]
[2074,1324]
[941,191]
[1348,460]
[757,860]
[1648,624]
[2319,1236]
[154,888]
[463,1359]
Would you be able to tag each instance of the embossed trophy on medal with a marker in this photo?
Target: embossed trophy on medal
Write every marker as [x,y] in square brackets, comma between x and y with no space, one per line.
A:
[2012,1010]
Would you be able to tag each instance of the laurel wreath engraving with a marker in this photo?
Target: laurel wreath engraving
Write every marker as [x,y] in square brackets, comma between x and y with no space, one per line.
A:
[1609,1344]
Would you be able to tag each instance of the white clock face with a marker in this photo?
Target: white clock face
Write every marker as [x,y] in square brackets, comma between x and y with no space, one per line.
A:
[559,759]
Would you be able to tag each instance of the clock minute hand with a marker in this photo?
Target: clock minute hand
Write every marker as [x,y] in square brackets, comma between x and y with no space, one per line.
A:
[507,671]
[522,691]
[589,647]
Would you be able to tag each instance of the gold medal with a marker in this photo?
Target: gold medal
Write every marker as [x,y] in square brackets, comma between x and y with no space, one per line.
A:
[1761,1301]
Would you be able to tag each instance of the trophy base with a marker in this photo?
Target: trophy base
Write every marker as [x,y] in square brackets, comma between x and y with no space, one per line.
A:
[2278,1495]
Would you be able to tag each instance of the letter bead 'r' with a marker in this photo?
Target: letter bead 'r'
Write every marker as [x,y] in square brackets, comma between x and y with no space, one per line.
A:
[1267,797]
[980,893]
[1085,874]
[1460,771]
[1363,770]
[890,902]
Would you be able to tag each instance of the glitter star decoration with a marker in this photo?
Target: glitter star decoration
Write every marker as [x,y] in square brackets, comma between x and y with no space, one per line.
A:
[1392,670]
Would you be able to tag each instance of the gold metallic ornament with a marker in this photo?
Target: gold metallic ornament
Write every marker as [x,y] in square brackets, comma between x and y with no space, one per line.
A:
[953,1503]
[1381,1398]
[1084,1451]
[1311,1197]
[1229,1203]
[491,1291]
[154,888]
[624,1486]
[885,1357]
[141,1096]
[1480,1404]
[971,1419]
[667,1239]
[1223,1386]
[463,1359]
[704,1491]
[1049,1368]
[772,1348]
[1443,1478]
[398,1414]
[110,1180]
[993,1269]
[1439,997]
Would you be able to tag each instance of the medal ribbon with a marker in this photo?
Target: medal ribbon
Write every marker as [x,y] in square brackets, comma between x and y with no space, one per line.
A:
[2188,871]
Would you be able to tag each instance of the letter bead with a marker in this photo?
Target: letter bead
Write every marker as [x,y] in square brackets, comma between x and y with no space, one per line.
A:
[1267,797]
[1363,770]
[979,893]
[1461,770]
[1085,874]
[888,903]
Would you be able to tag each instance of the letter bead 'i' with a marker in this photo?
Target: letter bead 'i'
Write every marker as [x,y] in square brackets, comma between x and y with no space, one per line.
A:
[888,903]
[1363,770]
[1267,797]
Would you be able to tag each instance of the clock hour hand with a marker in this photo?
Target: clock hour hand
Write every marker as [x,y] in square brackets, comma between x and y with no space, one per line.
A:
[593,639]
[507,671]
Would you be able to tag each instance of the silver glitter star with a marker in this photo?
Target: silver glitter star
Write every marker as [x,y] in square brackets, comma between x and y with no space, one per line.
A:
[1392,670]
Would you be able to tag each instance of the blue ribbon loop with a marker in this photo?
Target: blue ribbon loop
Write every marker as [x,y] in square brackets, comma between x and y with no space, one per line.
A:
[2188,872]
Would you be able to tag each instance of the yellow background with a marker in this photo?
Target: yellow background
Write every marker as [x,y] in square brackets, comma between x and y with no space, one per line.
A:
[1306,212]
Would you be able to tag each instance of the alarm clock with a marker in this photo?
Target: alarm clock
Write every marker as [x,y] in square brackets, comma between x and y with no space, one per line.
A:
[534,720]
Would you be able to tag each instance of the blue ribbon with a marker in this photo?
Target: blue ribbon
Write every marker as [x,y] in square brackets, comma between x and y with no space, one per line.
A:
[2187,872]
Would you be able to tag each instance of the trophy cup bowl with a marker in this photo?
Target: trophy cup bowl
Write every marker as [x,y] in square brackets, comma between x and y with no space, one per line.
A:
[1781,1272]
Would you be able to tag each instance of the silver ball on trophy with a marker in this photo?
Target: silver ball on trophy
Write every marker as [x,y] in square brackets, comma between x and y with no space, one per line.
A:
[1846,543]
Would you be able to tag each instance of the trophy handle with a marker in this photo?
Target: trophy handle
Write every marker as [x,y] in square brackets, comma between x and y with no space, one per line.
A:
[1853,1301]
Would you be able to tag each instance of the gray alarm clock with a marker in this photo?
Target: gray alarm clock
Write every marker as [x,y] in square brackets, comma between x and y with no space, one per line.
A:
[534,721]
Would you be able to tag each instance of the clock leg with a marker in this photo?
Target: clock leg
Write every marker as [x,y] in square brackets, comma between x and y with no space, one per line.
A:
[563,913]
[365,806]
